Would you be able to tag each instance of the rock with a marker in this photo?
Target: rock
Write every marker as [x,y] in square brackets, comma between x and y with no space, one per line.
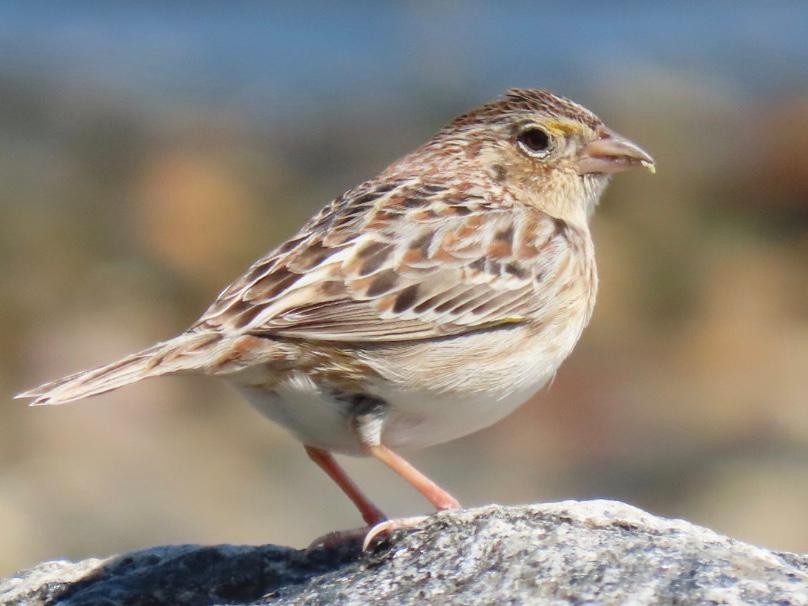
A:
[596,552]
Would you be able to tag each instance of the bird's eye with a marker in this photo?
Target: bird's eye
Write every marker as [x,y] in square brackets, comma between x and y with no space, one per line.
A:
[534,141]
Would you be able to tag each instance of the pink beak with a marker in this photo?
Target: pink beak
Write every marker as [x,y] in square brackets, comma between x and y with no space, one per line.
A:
[613,153]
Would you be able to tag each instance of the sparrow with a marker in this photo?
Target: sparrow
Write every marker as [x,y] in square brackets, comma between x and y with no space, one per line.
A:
[418,307]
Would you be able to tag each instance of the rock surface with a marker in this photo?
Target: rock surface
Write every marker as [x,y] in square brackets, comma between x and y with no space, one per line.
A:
[596,552]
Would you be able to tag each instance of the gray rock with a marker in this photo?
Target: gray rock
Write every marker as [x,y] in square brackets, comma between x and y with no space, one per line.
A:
[596,552]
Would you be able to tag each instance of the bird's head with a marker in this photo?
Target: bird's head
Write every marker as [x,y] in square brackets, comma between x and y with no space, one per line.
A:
[547,149]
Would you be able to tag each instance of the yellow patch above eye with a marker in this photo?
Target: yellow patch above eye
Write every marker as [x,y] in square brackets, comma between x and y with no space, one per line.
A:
[563,128]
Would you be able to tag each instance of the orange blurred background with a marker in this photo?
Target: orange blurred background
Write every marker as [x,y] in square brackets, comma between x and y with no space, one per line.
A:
[148,155]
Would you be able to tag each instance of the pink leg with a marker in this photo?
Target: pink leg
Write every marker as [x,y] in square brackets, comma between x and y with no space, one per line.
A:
[370,513]
[439,498]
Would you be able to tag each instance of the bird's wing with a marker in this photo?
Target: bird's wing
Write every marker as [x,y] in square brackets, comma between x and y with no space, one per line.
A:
[405,261]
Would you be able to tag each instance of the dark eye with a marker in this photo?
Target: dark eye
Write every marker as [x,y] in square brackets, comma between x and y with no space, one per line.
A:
[534,141]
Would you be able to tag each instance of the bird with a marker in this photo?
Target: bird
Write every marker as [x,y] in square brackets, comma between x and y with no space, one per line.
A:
[420,306]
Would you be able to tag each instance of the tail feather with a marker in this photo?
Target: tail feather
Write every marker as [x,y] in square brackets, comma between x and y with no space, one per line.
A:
[176,355]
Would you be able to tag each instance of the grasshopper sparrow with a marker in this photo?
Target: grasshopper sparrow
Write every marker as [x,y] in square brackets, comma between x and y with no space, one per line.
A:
[421,305]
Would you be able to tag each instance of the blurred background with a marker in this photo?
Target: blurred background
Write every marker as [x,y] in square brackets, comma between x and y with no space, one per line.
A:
[149,153]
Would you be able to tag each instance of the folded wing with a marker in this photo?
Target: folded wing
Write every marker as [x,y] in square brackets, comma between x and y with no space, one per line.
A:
[414,261]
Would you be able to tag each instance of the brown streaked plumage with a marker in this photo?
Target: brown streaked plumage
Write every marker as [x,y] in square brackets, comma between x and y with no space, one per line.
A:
[419,306]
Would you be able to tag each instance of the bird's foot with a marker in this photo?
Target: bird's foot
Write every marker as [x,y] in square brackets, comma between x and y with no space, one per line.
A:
[365,535]
[389,526]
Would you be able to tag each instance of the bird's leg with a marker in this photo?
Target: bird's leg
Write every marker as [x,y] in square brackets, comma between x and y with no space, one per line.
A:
[368,426]
[439,498]
[370,513]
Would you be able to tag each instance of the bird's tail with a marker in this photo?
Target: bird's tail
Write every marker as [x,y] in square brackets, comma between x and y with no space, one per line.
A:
[185,352]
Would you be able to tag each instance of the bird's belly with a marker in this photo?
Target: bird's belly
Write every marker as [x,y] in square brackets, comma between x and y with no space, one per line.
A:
[308,411]
[414,419]
[432,394]
[442,391]
[419,419]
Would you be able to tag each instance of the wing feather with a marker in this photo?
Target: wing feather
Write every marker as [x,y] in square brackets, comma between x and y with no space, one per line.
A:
[412,261]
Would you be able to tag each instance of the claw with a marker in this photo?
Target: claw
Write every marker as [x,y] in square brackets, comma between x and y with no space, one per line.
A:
[389,526]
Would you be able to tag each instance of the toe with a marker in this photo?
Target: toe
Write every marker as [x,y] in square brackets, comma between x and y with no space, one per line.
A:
[389,526]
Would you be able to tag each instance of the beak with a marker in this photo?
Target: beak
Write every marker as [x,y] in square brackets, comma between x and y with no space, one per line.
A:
[612,153]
